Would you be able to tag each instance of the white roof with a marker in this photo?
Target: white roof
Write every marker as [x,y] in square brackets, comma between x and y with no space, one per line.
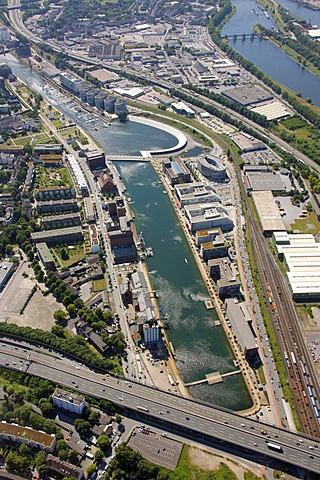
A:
[315,33]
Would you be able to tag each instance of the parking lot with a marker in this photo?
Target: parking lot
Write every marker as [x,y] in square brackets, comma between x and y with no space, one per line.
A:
[158,449]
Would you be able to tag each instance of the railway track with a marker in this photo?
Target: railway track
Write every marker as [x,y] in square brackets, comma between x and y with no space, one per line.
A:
[296,358]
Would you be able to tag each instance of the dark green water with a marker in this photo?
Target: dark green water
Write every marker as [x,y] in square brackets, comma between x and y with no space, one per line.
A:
[199,346]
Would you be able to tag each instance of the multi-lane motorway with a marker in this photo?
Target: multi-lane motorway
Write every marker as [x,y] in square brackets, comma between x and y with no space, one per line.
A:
[170,409]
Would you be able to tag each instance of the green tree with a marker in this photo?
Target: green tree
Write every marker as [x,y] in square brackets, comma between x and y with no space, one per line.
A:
[73,457]
[98,456]
[83,427]
[60,316]
[104,442]
[91,469]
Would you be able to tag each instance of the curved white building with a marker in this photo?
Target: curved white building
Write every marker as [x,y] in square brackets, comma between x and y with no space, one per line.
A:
[212,167]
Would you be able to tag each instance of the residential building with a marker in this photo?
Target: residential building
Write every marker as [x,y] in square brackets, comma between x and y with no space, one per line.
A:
[65,469]
[78,175]
[68,401]
[48,193]
[47,148]
[89,211]
[57,206]
[12,432]
[45,256]
[51,222]
[63,235]
[6,270]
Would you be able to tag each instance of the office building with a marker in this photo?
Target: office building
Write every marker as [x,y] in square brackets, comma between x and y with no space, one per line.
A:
[240,320]
[71,82]
[206,216]
[213,168]
[195,192]
[222,272]
[176,171]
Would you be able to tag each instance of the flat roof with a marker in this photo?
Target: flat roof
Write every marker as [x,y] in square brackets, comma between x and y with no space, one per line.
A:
[248,94]
[44,252]
[56,232]
[268,211]
[5,267]
[261,181]
[68,397]
[272,110]
[245,142]
[239,316]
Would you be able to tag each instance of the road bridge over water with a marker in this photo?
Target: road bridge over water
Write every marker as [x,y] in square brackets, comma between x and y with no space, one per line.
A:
[243,36]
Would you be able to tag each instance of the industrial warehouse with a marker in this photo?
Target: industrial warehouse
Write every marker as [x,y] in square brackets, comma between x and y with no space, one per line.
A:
[301,255]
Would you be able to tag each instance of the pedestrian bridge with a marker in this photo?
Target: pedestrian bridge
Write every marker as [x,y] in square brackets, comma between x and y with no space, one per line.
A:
[212,378]
[129,158]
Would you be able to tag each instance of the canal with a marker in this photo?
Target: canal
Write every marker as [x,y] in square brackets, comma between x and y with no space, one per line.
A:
[199,346]
[265,55]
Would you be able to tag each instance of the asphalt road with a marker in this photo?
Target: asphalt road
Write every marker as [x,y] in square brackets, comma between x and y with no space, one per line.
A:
[167,407]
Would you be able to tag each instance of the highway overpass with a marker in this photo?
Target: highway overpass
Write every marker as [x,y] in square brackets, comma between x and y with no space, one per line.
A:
[169,409]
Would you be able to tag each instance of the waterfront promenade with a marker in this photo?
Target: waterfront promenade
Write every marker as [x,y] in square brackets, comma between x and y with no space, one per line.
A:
[246,370]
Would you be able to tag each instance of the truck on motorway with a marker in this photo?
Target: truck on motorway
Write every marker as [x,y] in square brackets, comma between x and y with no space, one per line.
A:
[275,447]
[142,409]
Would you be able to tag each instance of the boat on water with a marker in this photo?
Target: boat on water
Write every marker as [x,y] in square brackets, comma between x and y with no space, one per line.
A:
[149,252]
[186,260]
[164,191]
[266,14]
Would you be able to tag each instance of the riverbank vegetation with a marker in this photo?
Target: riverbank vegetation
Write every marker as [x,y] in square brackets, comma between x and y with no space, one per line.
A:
[300,105]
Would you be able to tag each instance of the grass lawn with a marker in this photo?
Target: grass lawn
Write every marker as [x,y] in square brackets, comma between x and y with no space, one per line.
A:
[189,471]
[57,123]
[51,177]
[76,254]
[310,224]
[99,285]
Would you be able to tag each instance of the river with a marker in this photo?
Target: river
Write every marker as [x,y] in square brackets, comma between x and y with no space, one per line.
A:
[200,347]
[265,55]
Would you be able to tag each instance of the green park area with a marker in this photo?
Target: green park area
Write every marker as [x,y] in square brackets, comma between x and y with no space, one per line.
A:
[69,255]
[51,177]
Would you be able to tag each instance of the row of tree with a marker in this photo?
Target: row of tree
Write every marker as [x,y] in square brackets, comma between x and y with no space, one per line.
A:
[304,110]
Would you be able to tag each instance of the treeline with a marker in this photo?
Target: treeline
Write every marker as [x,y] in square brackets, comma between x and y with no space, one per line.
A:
[130,464]
[75,347]
[217,112]
[237,107]
[303,110]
